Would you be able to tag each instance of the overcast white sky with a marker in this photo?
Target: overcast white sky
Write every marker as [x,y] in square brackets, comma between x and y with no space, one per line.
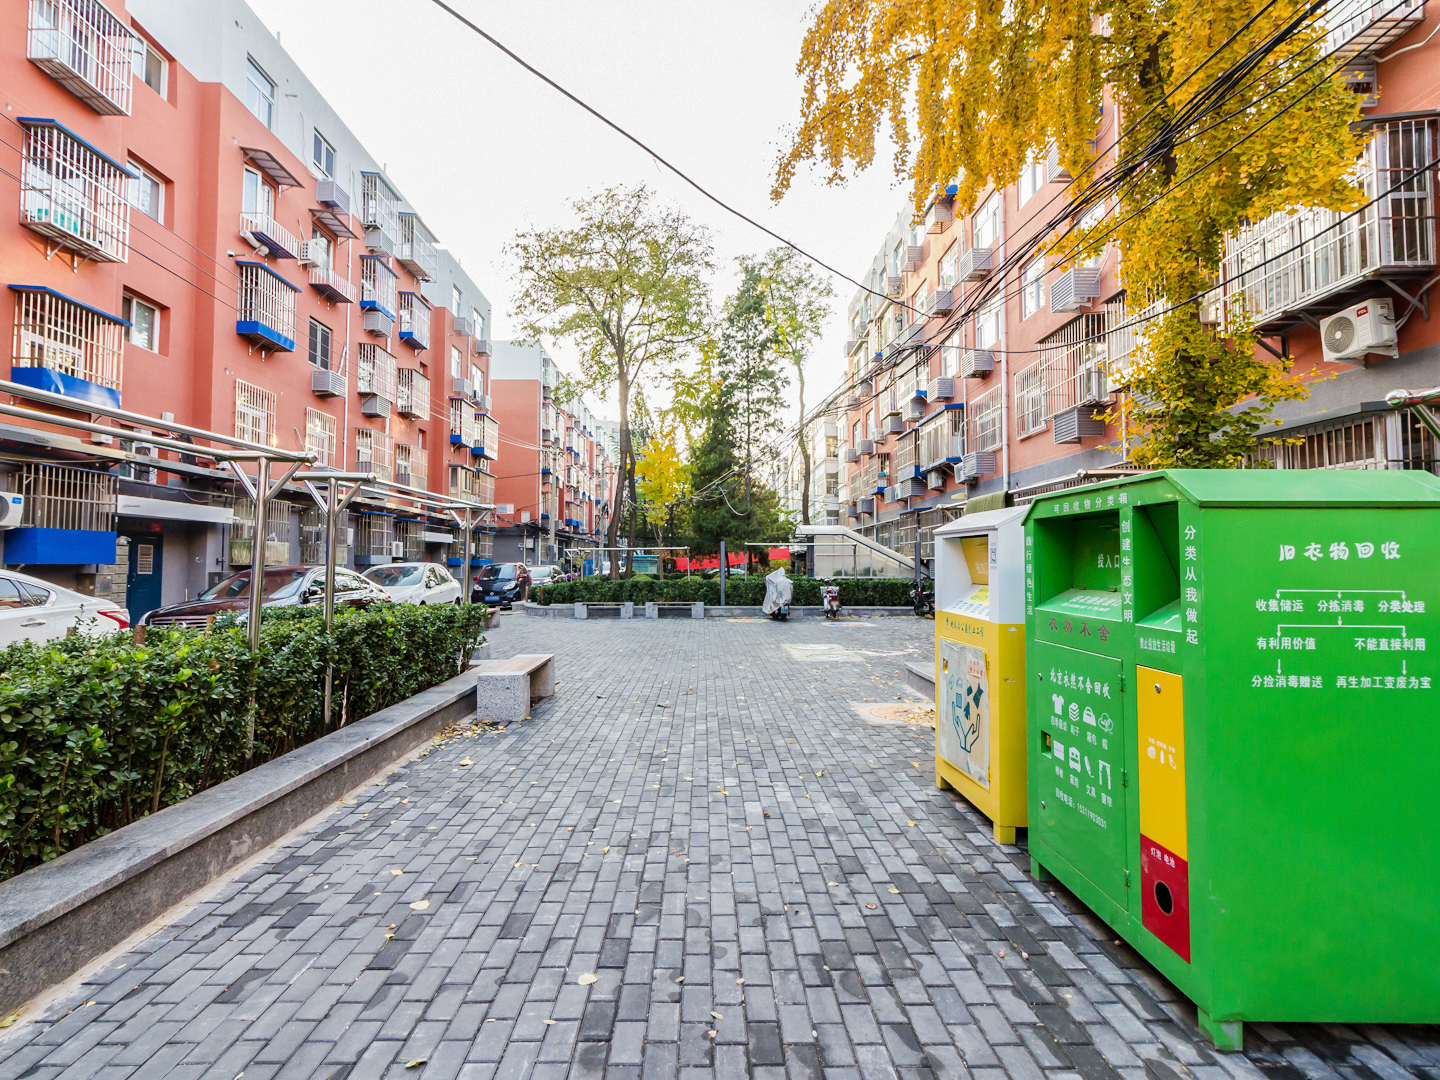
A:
[482,148]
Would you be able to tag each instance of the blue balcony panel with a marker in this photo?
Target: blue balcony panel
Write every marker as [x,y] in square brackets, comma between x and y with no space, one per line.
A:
[261,334]
[58,547]
[57,382]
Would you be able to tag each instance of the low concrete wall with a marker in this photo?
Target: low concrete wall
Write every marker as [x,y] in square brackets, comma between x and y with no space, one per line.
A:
[58,917]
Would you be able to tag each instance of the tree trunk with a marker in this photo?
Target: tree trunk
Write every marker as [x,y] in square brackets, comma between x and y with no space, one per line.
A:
[612,531]
[804,450]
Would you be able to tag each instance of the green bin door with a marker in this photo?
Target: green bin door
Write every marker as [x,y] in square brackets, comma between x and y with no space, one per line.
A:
[1079,776]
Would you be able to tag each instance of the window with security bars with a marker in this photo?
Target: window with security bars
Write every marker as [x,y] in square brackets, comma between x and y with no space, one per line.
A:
[378,285]
[254,414]
[320,436]
[312,537]
[1030,399]
[410,535]
[86,49]
[379,205]
[277,533]
[484,488]
[1073,365]
[374,453]
[73,194]
[412,465]
[54,332]
[985,431]
[412,394]
[414,320]
[265,300]
[64,497]
[462,487]
[376,372]
[463,424]
[1391,440]
[374,533]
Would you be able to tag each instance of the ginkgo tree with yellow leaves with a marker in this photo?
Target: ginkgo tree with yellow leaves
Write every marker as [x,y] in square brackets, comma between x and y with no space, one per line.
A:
[1181,122]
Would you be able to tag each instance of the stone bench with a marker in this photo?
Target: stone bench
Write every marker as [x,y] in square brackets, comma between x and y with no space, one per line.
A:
[505,689]
[586,610]
[659,609]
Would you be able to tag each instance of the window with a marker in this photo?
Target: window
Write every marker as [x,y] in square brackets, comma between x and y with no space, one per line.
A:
[259,92]
[987,222]
[254,414]
[455,362]
[950,355]
[144,322]
[988,322]
[256,196]
[150,67]
[321,249]
[323,156]
[917,303]
[949,266]
[477,378]
[457,299]
[147,194]
[319,344]
[320,434]
[1092,220]
[855,436]
[832,446]
[1032,287]
[1032,179]
[832,483]
[477,324]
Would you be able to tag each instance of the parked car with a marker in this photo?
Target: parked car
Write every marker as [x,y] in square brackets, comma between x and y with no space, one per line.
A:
[501,583]
[544,575]
[36,610]
[284,586]
[416,582]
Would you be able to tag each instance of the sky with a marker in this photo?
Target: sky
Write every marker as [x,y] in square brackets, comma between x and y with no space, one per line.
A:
[482,148]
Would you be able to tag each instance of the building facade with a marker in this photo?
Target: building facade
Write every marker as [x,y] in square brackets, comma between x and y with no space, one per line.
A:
[554,499]
[195,236]
[933,412]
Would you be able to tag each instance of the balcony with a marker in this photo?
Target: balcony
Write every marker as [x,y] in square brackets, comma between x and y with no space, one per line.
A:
[941,441]
[1366,27]
[376,379]
[1067,386]
[416,248]
[414,321]
[329,284]
[379,213]
[464,430]
[261,231]
[86,49]
[412,394]
[1297,266]
[265,313]
[66,347]
[73,194]
[378,295]
[412,466]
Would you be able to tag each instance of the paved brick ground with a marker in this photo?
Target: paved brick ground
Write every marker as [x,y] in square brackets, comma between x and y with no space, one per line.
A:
[761,883]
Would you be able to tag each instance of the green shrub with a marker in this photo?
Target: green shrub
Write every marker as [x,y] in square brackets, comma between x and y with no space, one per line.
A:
[746,591]
[96,732]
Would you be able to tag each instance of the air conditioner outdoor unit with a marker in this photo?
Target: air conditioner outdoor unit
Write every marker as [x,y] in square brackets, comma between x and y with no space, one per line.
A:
[935,479]
[974,264]
[308,252]
[1365,328]
[976,363]
[397,549]
[977,464]
[867,446]
[377,322]
[942,389]
[851,455]
[12,509]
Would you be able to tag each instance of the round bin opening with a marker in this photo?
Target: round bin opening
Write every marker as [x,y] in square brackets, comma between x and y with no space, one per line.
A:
[1163,898]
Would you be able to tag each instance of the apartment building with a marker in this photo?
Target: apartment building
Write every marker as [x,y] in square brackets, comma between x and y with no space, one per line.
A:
[933,413]
[197,237]
[554,497]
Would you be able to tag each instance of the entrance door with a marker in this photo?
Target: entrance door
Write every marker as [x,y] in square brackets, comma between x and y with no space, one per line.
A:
[1080,769]
[142,579]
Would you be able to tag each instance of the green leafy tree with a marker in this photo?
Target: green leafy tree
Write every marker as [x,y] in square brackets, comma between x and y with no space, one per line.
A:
[752,377]
[1228,114]
[625,286]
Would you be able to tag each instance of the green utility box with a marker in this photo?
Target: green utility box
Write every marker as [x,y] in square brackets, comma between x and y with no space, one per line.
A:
[1234,728]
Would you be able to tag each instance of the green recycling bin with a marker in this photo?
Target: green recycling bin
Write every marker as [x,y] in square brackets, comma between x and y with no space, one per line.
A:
[1234,727]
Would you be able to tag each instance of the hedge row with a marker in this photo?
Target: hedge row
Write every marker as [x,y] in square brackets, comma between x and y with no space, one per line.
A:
[746,591]
[96,732]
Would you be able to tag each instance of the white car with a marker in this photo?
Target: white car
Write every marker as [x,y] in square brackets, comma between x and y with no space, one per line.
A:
[543,575]
[416,582]
[35,610]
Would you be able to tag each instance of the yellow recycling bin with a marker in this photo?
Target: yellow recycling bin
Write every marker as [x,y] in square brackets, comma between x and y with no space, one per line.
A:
[980,664]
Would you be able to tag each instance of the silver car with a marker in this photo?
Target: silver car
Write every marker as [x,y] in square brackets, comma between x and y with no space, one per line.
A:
[416,582]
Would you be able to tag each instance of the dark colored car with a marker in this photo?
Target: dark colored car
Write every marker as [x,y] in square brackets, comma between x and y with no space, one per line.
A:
[284,586]
[500,584]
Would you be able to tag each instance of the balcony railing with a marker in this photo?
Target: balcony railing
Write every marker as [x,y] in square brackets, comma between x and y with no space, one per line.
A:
[985,431]
[1367,26]
[941,439]
[1070,372]
[265,313]
[262,230]
[464,431]
[488,443]
[331,285]
[73,194]
[86,49]
[414,321]
[65,346]
[375,452]
[413,391]
[416,248]
[1283,266]
[378,285]
[412,466]
[379,213]
[376,372]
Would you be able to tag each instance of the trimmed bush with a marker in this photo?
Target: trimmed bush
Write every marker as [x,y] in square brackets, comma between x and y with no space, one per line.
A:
[746,591]
[96,732]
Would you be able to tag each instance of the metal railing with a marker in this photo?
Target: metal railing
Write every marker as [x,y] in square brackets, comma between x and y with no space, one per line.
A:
[378,285]
[320,437]
[985,432]
[414,320]
[73,194]
[462,423]
[86,49]
[1367,26]
[375,453]
[332,284]
[374,533]
[412,394]
[412,466]
[277,533]
[262,229]
[55,332]
[376,372]
[254,413]
[379,206]
[416,248]
[63,497]
[266,302]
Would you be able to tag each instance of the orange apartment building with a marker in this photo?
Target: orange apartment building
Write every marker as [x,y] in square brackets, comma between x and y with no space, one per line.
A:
[194,234]
[932,414]
[555,492]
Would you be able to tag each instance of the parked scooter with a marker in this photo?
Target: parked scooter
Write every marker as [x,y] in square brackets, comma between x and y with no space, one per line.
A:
[922,598]
[830,598]
[778,591]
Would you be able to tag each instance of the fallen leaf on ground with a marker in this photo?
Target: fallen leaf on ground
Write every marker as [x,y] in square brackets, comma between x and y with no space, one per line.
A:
[9,1021]
[420,905]
[739,982]
[832,884]
[464,761]
[587,979]
[548,1022]
[870,906]
[909,823]
[415,1064]
[680,979]
[717,1016]
[397,873]
[894,890]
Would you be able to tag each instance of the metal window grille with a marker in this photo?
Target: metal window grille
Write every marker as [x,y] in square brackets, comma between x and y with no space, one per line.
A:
[413,393]
[267,299]
[461,485]
[74,195]
[417,248]
[254,414]
[277,533]
[414,320]
[1030,399]
[376,372]
[374,533]
[410,535]
[483,547]
[378,285]
[1072,365]
[379,205]
[312,538]
[320,436]
[412,465]
[375,453]
[86,49]
[985,432]
[489,432]
[63,497]
[942,437]
[484,488]
[56,333]
[1290,259]
[462,422]
[1391,440]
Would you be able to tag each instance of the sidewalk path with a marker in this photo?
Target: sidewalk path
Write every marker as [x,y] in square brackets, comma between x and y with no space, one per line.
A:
[696,860]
